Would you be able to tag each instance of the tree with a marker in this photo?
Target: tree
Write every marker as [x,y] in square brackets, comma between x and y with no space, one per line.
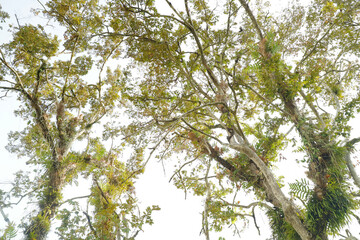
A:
[228,86]
[61,108]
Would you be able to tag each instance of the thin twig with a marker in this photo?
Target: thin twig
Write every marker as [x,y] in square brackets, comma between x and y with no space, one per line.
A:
[90,224]
[182,166]
[253,215]
[74,198]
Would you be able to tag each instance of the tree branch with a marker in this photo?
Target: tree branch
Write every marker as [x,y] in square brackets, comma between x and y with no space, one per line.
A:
[189,25]
[4,216]
[253,215]
[349,145]
[207,201]
[178,170]
[247,206]
[308,54]
[290,211]
[312,107]
[252,17]
[90,224]
[74,198]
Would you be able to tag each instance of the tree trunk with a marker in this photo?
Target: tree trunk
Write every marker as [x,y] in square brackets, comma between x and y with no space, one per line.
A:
[40,224]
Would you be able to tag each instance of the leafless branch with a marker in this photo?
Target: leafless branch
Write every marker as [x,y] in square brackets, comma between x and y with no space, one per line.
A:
[254,217]
[90,224]
[349,145]
[74,198]
[182,166]
[23,196]
[262,204]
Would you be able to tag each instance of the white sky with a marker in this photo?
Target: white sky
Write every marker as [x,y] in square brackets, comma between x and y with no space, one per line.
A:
[178,218]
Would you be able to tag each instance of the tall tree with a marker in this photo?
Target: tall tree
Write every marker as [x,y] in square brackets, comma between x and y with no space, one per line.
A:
[226,82]
[61,102]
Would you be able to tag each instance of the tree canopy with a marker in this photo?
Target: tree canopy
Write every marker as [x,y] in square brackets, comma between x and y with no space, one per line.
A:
[219,89]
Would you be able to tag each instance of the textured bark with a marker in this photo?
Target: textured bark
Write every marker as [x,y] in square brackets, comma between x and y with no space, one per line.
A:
[265,180]
[273,189]
[352,169]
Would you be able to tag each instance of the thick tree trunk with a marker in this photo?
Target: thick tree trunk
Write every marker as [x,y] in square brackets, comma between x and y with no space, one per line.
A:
[268,183]
[272,189]
[40,224]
